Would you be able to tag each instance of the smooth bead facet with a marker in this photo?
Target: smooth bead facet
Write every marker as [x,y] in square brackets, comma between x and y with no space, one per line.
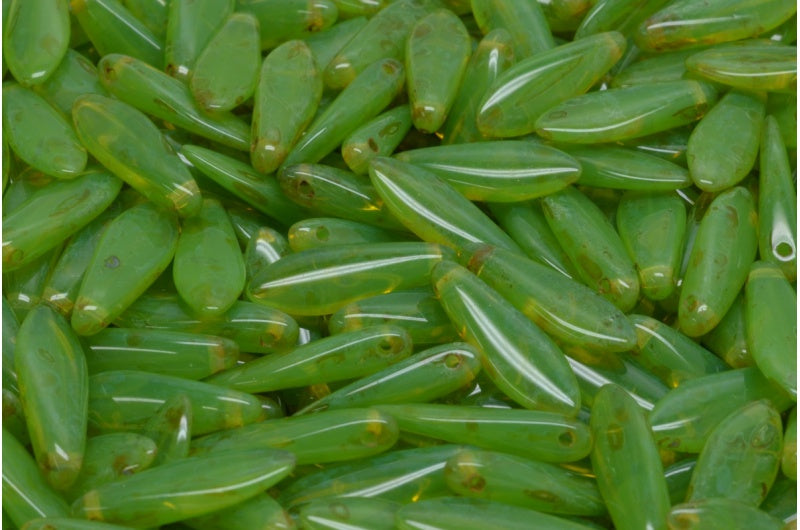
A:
[378,137]
[171,428]
[35,38]
[525,21]
[191,24]
[720,514]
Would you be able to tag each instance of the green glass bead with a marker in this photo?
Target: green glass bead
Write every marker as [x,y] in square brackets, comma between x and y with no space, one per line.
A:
[152,14]
[684,418]
[170,428]
[14,417]
[626,462]
[35,38]
[527,226]
[177,490]
[333,436]
[321,280]
[175,353]
[22,186]
[688,24]
[337,193]
[593,246]
[76,75]
[720,514]
[287,96]
[324,45]
[771,324]
[10,329]
[626,169]
[652,227]
[475,514]
[493,56]
[26,494]
[642,386]
[745,448]
[348,512]
[781,502]
[261,512]
[516,355]
[336,358]
[255,328]
[62,523]
[112,457]
[23,287]
[561,307]
[748,66]
[283,20]
[130,146]
[619,15]
[318,232]
[69,205]
[498,171]
[113,29]
[359,102]
[783,107]
[720,259]
[377,137]
[152,91]
[625,113]
[400,476]
[525,22]
[789,456]
[669,145]
[437,51]
[431,208]
[520,95]
[522,482]
[777,203]
[133,251]
[728,340]
[226,72]
[265,247]
[40,135]
[124,400]
[564,15]
[383,37]
[191,25]
[664,67]
[678,476]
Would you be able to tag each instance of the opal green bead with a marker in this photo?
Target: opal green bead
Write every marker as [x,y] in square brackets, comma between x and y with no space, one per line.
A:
[593,246]
[254,327]
[498,171]
[425,376]
[383,37]
[22,186]
[781,502]
[524,21]
[625,113]
[527,226]
[431,208]
[520,95]
[720,514]
[23,287]
[321,280]
[688,24]
[669,145]
[261,512]
[283,20]
[678,476]
[265,247]
[191,24]
[124,400]
[52,214]
[377,137]
[14,417]
[335,358]
[63,523]
[748,66]
[664,67]
[777,203]
[493,56]
[475,514]
[324,45]
[48,351]
[133,251]
[626,462]
[564,15]
[359,102]
[684,418]
[35,38]
[332,436]
[175,353]
[783,107]
[26,494]
[563,308]
[619,15]
[318,232]
[113,29]
[771,324]
[642,386]
[729,339]
[153,92]
[418,311]
[745,448]
[177,490]
[171,428]
[112,457]
[437,51]
[789,456]
[287,96]
[334,192]
[720,259]
[359,8]
[127,143]
[10,329]
[353,513]
[154,15]
[226,72]
[40,135]
[516,355]
[76,75]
